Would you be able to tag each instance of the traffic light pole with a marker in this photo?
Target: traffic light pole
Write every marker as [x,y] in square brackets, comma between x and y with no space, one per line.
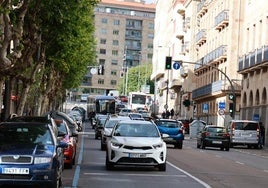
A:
[231,84]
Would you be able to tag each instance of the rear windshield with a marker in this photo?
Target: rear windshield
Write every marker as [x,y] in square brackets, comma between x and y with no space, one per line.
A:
[245,126]
[168,124]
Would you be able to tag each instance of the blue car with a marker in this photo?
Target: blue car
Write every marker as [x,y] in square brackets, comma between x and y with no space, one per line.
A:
[174,129]
[30,154]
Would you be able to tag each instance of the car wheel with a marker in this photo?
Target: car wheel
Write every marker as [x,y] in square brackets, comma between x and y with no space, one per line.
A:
[197,145]
[108,164]
[57,182]
[203,145]
[102,146]
[227,149]
[179,145]
[73,161]
[96,136]
[68,165]
[162,167]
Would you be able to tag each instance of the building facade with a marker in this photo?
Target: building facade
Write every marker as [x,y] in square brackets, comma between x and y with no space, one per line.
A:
[222,51]
[124,32]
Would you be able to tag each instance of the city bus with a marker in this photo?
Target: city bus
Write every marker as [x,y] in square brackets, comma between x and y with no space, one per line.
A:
[137,100]
[100,104]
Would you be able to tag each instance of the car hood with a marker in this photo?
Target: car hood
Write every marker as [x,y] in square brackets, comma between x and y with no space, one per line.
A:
[33,149]
[137,141]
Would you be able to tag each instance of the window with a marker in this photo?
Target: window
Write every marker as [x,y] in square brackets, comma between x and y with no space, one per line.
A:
[113,72]
[113,82]
[115,42]
[103,41]
[151,26]
[114,62]
[115,32]
[103,31]
[102,61]
[115,52]
[116,22]
[104,20]
[102,51]
[101,81]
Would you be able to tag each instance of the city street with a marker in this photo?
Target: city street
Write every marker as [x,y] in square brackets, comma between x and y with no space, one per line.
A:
[189,167]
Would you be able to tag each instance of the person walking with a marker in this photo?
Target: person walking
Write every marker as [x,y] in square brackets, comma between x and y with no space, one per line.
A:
[167,114]
[172,113]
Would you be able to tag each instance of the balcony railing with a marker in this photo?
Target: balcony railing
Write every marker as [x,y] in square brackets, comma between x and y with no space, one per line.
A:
[222,19]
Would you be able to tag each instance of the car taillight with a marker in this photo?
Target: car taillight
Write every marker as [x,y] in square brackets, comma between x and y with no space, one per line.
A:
[206,133]
[226,135]
[180,131]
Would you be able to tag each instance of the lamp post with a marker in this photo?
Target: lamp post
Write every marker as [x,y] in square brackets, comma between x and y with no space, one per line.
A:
[232,96]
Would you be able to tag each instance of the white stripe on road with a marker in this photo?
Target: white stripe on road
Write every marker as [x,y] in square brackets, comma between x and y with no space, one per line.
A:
[239,162]
[143,175]
[191,176]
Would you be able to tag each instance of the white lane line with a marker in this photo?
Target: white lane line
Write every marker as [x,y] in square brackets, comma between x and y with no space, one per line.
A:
[142,175]
[239,162]
[265,171]
[190,175]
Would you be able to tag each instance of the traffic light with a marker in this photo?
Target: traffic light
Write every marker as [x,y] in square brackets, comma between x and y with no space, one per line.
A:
[231,109]
[168,62]
[231,96]
[101,70]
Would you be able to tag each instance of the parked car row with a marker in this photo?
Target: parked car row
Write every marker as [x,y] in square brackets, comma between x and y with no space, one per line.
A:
[35,150]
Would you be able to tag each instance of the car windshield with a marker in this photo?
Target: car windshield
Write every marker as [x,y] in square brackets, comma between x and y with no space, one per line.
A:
[24,135]
[111,123]
[246,126]
[136,130]
[62,128]
[168,124]
[217,130]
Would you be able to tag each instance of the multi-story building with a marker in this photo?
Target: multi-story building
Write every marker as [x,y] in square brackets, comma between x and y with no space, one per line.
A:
[124,32]
[253,60]
[222,52]
[204,38]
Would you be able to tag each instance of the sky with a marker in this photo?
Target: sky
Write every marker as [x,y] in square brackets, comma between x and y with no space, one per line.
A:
[149,1]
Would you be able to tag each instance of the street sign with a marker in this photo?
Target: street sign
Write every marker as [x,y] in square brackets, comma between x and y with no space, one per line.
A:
[205,108]
[221,112]
[221,105]
[176,65]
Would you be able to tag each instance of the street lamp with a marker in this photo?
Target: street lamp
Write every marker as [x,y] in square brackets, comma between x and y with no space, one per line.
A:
[232,96]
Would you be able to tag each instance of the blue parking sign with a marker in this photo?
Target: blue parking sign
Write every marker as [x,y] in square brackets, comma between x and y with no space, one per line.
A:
[221,105]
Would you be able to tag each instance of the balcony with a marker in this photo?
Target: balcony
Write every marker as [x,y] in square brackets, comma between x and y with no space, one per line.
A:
[201,37]
[202,8]
[208,90]
[254,60]
[175,83]
[222,20]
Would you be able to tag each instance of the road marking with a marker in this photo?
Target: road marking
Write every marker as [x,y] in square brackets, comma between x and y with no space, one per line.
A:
[239,162]
[143,175]
[190,175]
[265,171]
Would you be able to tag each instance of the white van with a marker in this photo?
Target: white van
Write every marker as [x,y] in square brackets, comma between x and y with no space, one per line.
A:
[245,132]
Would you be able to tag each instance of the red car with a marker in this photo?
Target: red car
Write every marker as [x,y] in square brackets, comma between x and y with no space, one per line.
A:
[66,135]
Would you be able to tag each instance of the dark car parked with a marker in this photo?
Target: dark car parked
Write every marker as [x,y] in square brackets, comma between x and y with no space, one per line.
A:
[30,154]
[213,136]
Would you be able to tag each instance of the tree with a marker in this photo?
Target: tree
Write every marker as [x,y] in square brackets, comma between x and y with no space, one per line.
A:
[45,49]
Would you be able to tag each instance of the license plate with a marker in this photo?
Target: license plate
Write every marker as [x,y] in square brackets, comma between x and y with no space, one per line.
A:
[216,142]
[15,171]
[136,155]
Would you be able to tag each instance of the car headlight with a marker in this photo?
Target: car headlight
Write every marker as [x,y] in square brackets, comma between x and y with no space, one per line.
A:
[41,160]
[116,144]
[160,145]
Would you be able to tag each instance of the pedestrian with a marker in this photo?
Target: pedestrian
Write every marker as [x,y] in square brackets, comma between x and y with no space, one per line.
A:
[167,114]
[262,135]
[164,115]
[172,113]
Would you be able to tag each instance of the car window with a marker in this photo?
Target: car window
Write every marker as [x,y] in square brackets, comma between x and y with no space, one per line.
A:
[25,135]
[168,124]
[136,130]
[245,126]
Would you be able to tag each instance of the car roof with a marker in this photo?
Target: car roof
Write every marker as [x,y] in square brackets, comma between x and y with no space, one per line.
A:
[168,120]
[135,122]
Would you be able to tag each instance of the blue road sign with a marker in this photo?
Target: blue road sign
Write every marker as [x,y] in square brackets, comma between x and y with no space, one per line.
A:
[205,108]
[176,65]
[221,105]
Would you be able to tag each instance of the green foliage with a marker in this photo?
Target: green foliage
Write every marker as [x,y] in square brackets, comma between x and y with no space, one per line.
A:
[68,29]
[137,76]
